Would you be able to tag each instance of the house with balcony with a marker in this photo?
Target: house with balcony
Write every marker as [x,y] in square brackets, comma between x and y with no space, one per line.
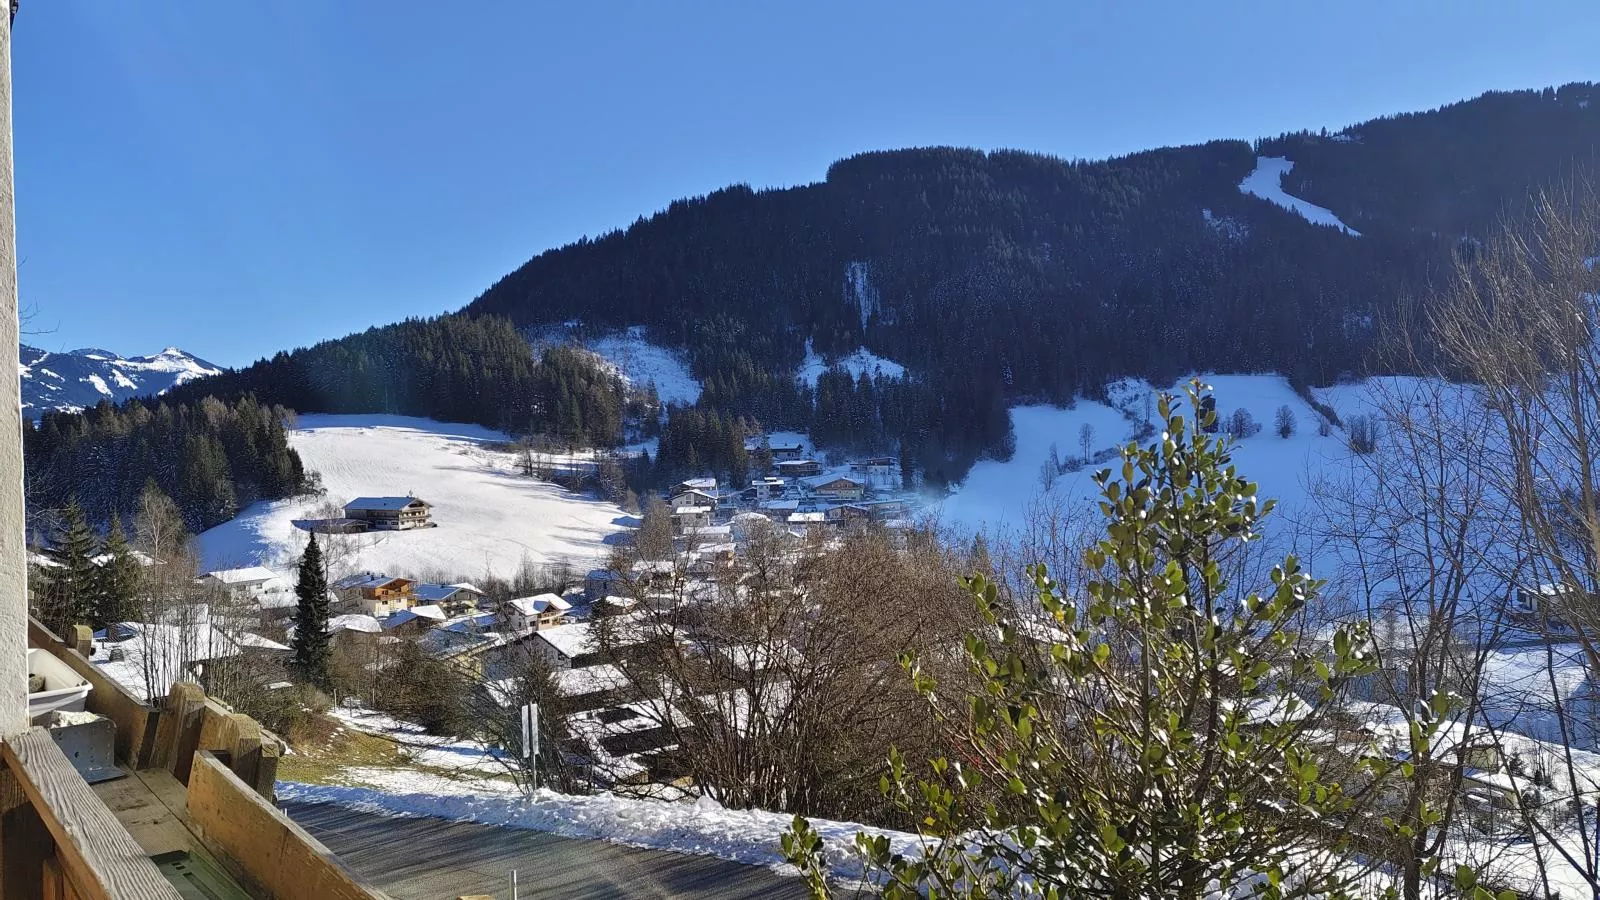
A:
[389,513]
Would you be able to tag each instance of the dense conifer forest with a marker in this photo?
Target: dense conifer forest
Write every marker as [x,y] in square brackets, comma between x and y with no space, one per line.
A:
[993,277]
[212,458]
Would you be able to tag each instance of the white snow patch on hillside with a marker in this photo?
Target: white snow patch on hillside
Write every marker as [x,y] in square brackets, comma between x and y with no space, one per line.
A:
[999,495]
[489,518]
[861,362]
[98,384]
[700,827]
[858,284]
[640,362]
[1266,182]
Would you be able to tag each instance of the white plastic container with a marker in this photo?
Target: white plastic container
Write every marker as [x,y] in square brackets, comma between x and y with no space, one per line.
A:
[64,689]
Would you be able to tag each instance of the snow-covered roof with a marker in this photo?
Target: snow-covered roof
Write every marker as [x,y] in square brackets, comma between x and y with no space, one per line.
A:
[435,593]
[794,463]
[258,642]
[781,505]
[589,680]
[807,518]
[155,656]
[537,605]
[572,640]
[468,587]
[244,576]
[693,492]
[427,611]
[698,484]
[354,622]
[364,580]
[383,504]
[817,481]
[691,511]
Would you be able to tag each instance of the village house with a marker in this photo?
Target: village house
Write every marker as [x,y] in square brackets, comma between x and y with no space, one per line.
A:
[454,599]
[600,583]
[464,642]
[1545,604]
[705,485]
[377,595]
[881,472]
[849,512]
[415,621]
[798,468]
[695,498]
[780,510]
[389,513]
[768,488]
[570,646]
[834,487]
[778,452]
[534,613]
[686,519]
[746,525]
[884,510]
[251,583]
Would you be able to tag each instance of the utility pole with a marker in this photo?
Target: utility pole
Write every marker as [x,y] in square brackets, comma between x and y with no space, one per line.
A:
[13,529]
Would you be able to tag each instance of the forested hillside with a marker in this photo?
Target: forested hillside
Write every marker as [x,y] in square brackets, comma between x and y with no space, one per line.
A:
[993,278]
[212,458]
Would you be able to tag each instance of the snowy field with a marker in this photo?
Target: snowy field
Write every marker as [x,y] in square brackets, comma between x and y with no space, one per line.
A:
[999,495]
[490,519]
[1266,182]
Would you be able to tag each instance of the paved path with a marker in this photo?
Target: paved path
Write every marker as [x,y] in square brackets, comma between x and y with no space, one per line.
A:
[429,859]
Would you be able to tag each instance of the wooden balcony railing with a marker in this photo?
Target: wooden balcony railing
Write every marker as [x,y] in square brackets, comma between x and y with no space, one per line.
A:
[198,780]
[58,839]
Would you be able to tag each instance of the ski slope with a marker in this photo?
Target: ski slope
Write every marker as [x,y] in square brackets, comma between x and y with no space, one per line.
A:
[1266,182]
[490,519]
[998,496]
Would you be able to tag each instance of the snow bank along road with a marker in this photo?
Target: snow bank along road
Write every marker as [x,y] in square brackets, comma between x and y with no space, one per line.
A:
[416,858]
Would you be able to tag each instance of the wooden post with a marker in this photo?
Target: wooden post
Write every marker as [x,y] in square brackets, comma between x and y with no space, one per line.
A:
[178,730]
[245,734]
[13,528]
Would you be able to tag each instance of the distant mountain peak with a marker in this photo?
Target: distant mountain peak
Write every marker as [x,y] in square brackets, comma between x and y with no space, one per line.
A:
[82,378]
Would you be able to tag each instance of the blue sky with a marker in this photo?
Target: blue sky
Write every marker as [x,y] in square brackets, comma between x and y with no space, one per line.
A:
[236,177]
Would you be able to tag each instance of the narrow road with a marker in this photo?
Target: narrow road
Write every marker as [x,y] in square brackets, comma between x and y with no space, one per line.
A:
[429,859]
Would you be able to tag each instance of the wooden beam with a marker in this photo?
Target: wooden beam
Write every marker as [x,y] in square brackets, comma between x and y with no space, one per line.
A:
[100,859]
[178,732]
[270,854]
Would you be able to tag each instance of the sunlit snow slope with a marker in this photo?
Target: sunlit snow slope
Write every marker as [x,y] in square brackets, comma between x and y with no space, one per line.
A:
[489,518]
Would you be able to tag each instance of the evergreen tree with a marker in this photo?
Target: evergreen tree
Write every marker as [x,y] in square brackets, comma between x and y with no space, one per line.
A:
[312,655]
[120,578]
[1168,787]
[75,582]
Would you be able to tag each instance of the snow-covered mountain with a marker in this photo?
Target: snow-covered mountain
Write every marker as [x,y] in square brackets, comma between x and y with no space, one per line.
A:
[82,378]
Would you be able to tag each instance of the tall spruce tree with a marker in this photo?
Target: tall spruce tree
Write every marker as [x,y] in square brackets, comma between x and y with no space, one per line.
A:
[311,651]
[120,577]
[75,581]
